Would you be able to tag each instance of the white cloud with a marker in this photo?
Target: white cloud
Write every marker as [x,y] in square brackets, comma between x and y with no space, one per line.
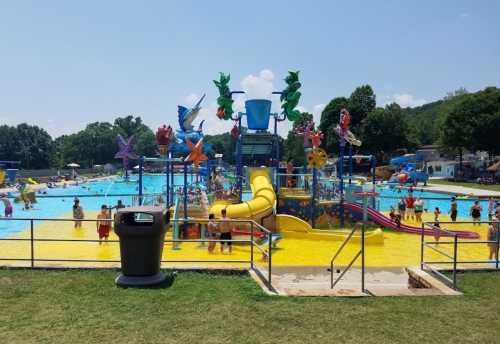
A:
[260,86]
[405,100]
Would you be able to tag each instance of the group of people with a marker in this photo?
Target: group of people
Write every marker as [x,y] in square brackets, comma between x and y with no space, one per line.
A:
[103,223]
[408,208]
[219,231]
[194,195]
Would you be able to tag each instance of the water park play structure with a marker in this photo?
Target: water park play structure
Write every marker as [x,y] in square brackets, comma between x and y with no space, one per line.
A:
[289,212]
[308,210]
[8,175]
[410,169]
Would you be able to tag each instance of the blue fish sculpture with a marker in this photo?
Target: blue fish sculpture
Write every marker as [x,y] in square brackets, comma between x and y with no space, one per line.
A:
[187,116]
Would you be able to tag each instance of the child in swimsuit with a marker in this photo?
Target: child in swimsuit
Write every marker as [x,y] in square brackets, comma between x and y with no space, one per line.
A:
[437,230]
[453,209]
[103,227]
[78,213]
[213,233]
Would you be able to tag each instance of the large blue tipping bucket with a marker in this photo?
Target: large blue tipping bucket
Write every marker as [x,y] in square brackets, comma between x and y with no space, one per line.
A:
[258,113]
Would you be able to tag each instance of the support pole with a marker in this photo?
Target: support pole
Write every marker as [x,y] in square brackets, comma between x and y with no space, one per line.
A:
[313,195]
[373,163]
[32,243]
[185,192]
[239,161]
[141,167]
[350,165]
[277,153]
[171,179]
[167,181]
[363,268]
[341,177]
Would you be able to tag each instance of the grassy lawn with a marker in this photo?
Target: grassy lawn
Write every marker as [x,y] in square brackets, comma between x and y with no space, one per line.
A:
[86,307]
[468,185]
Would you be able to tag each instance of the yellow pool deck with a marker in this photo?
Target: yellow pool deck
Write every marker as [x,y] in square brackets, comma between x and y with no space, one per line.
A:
[398,250]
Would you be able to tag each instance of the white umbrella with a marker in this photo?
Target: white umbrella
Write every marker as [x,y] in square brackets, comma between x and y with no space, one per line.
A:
[73,165]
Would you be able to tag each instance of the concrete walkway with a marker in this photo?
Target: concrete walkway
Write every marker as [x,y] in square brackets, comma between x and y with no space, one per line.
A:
[315,281]
[460,190]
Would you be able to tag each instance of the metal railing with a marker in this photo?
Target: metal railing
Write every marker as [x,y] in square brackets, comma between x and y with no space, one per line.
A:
[451,259]
[361,253]
[254,228]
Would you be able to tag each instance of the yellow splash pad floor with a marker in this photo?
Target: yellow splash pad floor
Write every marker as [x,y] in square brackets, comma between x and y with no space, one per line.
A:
[398,250]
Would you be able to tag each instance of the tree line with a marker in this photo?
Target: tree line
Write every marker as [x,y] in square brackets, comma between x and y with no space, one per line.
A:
[458,122]
[96,144]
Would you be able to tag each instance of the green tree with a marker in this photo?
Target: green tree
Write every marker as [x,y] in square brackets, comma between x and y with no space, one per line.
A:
[361,102]
[294,144]
[96,144]
[329,120]
[223,144]
[385,130]
[472,123]
[29,144]
[145,137]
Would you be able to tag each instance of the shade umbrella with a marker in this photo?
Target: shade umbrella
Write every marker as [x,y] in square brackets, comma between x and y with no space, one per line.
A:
[495,167]
[73,165]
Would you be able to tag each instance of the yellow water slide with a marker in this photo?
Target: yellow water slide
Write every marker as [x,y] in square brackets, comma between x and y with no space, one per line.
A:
[295,228]
[2,176]
[261,204]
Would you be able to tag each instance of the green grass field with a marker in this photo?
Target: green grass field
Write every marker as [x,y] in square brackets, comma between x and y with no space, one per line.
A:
[86,307]
[468,185]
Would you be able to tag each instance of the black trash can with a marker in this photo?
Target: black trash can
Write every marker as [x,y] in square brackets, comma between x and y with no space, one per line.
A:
[141,231]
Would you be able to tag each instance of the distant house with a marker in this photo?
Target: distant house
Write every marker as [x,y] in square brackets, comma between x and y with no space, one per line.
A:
[429,153]
[441,168]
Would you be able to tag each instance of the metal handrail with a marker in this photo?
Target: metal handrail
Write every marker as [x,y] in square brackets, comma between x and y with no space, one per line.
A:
[453,258]
[361,253]
[266,251]
[346,240]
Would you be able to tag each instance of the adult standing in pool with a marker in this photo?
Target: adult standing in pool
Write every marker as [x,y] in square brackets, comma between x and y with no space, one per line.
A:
[491,208]
[419,209]
[475,212]
[453,209]
[410,206]
[78,214]
[493,238]
[402,208]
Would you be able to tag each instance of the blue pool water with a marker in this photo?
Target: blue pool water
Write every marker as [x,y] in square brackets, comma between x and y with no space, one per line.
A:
[58,201]
[390,196]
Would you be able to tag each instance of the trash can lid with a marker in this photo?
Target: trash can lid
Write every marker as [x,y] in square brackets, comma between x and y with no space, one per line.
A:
[142,209]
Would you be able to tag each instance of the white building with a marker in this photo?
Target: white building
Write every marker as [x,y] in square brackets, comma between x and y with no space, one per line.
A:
[441,168]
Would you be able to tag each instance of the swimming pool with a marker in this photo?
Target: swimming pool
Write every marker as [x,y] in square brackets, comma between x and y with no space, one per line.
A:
[58,201]
[390,196]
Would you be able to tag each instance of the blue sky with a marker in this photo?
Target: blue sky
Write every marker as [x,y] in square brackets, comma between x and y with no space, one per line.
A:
[67,63]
